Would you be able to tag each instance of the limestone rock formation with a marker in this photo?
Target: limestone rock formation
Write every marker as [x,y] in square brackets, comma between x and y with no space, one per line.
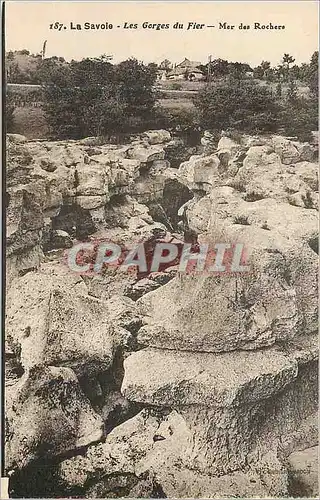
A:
[196,384]
[52,321]
[147,455]
[157,136]
[227,393]
[48,415]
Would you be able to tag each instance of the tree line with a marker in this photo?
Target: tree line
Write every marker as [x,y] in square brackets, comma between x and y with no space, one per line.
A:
[95,97]
[285,71]
[23,67]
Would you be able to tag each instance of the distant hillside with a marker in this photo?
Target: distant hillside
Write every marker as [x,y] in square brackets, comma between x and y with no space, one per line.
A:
[23,67]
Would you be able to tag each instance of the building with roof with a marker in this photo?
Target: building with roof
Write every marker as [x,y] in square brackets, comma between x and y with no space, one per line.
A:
[186,70]
[187,64]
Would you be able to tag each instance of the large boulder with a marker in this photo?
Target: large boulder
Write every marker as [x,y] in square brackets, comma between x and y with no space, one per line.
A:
[145,153]
[200,172]
[24,223]
[264,175]
[91,202]
[225,399]
[157,136]
[107,153]
[52,320]
[91,180]
[133,453]
[123,312]
[215,380]
[308,173]
[286,150]
[225,209]
[66,153]
[209,429]
[307,151]
[228,144]
[143,458]
[122,175]
[63,178]
[273,302]
[47,415]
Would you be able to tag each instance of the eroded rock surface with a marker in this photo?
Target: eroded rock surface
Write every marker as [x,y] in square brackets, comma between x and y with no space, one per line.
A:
[200,385]
[48,415]
[51,320]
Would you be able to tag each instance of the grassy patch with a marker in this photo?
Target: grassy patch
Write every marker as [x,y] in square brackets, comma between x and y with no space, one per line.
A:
[178,104]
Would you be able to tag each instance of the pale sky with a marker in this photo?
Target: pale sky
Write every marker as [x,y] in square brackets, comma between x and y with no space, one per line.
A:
[28,25]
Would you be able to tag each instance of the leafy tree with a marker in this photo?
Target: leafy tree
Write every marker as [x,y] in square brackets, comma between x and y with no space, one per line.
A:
[294,73]
[220,67]
[14,74]
[279,90]
[299,117]
[166,64]
[93,97]
[304,72]
[270,75]
[108,116]
[292,92]
[263,70]
[279,73]
[10,56]
[48,70]
[265,65]
[238,70]
[245,106]
[134,83]
[313,76]
[90,72]
[286,61]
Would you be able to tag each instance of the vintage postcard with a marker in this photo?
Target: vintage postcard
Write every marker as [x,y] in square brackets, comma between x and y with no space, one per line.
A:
[161,215]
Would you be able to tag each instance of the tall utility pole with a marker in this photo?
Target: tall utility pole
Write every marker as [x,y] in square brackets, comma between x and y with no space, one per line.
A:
[209,70]
[43,52]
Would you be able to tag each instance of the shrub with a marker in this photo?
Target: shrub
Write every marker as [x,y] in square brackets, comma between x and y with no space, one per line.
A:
[299,117]
[182,119]
[250,108]
[239,104]
[92,97]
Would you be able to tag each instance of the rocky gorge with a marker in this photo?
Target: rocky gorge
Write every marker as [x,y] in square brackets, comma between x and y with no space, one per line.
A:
[172,385]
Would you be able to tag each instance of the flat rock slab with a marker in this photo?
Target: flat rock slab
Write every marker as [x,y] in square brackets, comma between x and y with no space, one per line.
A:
[168,378]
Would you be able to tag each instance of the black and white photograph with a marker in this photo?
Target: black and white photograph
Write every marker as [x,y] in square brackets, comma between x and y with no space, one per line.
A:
[160,249]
